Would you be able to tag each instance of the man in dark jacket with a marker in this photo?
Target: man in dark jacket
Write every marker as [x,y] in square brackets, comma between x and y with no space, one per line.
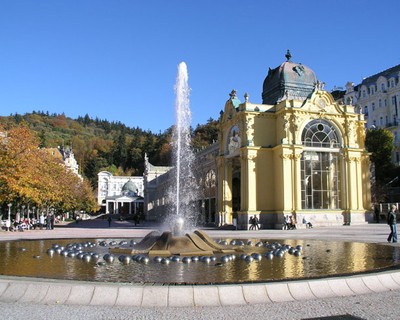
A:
[391,220]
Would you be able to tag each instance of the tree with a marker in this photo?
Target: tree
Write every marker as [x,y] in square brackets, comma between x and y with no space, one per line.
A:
[37,176]
[380,143]
[120,150]
[206,134]
[99,144]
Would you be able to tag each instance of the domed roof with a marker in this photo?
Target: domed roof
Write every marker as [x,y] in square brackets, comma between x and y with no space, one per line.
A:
[288,81]
[130,186]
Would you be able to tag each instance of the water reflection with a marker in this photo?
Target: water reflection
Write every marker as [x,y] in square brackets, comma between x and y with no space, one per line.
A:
[318,259]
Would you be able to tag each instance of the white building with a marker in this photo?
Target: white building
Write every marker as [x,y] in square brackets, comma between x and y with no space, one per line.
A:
[69,160]
[377,97]
[156,182]
[67,156]
[120,194]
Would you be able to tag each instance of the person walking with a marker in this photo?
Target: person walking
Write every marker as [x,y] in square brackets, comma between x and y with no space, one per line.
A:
[52,220]
[41,221]
[391,220]
[109,221]
[256,223]
[251,222]
[48,222]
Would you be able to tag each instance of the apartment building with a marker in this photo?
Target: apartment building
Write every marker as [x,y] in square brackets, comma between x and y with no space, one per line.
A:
[377,97]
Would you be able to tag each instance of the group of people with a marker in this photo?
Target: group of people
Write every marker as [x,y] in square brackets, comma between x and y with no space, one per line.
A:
[22,224]
[289,223]
[254,223]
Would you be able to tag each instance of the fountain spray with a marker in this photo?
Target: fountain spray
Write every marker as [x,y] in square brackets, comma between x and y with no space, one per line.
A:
[184,190]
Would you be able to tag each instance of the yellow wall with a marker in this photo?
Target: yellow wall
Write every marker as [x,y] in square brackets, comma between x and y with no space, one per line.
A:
[270,154]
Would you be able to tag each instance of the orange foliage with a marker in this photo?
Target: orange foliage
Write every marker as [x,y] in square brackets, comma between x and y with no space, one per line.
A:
[37,176]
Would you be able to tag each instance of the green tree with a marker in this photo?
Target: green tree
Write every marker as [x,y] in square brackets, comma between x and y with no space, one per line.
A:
[205,134]
[120,150]
[379,142]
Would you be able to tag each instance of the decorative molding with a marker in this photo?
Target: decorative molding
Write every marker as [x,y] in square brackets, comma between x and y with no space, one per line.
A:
[286,156]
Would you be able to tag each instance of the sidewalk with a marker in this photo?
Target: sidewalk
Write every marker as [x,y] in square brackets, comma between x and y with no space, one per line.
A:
[369,293]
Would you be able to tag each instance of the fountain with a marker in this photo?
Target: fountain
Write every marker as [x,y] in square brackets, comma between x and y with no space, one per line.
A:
[183,191]
[211,261]
[182,194]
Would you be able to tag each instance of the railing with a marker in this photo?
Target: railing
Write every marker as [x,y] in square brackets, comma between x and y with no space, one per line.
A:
[385,207]
[392,124]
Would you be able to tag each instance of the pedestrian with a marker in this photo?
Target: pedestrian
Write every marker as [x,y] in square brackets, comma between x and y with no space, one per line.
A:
[251,222]
[109,221]
[8,225]
[41,221]
[377,213]
[391,220]
[48,222]
[52,219]
[136,219]
[307,223]
[256,221]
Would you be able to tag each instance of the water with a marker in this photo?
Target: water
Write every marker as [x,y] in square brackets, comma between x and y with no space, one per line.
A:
[183,192]
[318,259]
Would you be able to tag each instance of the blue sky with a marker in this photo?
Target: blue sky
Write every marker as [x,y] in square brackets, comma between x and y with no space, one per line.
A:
[117,59]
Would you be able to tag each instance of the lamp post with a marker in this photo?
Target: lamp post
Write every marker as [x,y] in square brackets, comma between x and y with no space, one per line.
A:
[27,214]
[9,216]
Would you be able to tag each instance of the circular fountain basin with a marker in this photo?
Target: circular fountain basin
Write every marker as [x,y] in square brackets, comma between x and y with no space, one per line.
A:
[250,263]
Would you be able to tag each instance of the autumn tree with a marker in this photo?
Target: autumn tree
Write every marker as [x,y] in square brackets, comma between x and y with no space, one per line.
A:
[37,176]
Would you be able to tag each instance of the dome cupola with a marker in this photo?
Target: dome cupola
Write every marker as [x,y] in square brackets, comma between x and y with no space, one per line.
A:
[129,188]
[288,81]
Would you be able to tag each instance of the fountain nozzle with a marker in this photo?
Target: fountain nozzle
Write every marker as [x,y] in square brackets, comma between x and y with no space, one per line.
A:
[178,227]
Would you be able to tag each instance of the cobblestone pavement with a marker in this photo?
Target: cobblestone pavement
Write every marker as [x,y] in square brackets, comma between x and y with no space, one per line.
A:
[383,305]
[371,306]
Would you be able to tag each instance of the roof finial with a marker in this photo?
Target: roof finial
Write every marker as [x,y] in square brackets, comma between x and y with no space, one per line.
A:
[288,55]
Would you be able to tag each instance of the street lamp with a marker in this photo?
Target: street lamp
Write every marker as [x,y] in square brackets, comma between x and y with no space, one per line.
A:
[9,216]
[27,210]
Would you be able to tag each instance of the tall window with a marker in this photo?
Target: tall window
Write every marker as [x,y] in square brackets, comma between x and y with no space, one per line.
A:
[320,166]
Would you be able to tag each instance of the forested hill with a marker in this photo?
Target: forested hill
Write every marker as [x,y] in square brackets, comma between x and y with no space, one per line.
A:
[102,145]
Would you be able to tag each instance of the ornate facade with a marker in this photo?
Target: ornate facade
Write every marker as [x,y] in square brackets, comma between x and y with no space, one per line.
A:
[298,153]
[120,194]
[302,154]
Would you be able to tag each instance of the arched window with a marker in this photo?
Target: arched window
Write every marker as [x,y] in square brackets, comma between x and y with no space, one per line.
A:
[320,133]
[320,166]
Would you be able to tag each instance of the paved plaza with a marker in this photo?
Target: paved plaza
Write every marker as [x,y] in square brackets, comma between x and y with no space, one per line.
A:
[370,296]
